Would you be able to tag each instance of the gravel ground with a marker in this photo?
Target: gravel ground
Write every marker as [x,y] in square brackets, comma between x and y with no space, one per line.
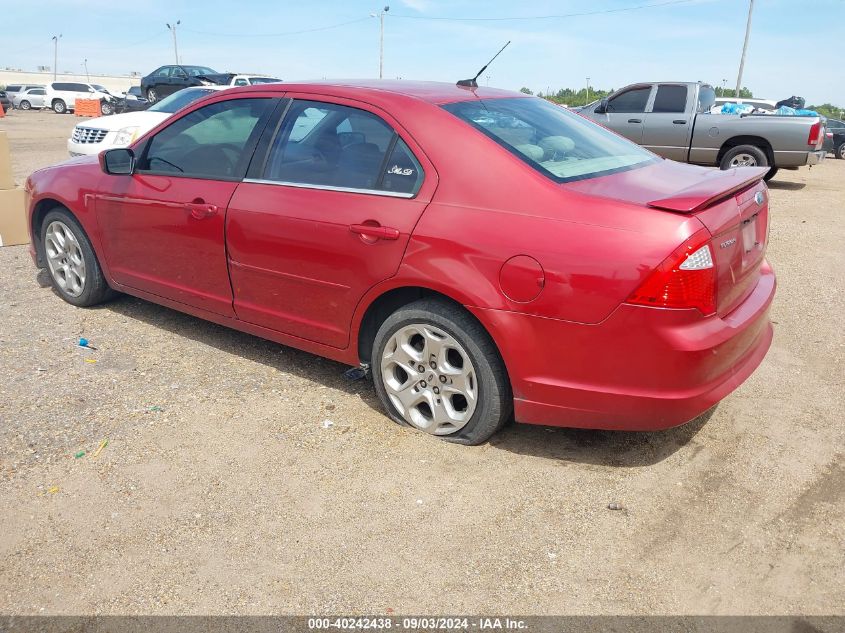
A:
[221,492]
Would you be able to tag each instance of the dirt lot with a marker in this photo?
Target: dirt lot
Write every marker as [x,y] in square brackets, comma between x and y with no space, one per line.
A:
[221,492]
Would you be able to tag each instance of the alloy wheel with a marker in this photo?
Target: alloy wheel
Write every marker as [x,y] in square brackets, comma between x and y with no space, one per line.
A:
[64,258]
[24,105]
[743,160]
[430,379]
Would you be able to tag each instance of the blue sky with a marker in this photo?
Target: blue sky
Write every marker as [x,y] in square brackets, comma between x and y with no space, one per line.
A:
[794,47]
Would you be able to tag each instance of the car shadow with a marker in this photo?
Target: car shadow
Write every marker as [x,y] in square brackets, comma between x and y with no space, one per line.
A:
[786,186]
[619,449]
[622,449]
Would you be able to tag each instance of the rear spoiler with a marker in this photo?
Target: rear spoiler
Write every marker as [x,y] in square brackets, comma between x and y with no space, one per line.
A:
[716,186]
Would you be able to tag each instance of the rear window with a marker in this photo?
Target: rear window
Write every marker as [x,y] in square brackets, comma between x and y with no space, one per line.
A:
[13,88]
[560,144]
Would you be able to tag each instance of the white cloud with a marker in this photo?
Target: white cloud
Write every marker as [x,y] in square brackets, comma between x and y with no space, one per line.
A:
[417,5]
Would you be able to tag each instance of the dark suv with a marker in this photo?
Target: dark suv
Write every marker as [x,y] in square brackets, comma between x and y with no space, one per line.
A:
[166,80]
[835,138]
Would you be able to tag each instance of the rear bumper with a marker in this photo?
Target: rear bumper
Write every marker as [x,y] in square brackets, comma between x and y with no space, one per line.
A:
[799,159]
[640,369]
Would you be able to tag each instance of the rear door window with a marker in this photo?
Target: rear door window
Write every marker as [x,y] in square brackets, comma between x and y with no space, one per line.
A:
[670,99]
[336,146]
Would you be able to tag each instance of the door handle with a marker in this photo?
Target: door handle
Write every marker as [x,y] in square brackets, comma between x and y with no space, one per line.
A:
[635,120]
[679,122]
[375,232]
[201,210]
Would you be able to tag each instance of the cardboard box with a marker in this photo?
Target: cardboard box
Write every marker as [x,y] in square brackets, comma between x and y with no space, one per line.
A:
[13,229]
[6,180]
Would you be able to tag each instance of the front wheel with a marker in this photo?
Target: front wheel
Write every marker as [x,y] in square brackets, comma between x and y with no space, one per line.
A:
[840,151]
[152,97]
[59,106]
[74,270]
[436,369]
[744,156]
[25,105]
[106,108]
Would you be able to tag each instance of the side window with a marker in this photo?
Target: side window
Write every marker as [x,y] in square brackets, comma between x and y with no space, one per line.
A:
[670,99]
[240,81]
[37,91]
[164,71]
[79,87]
[13,88]
[211,142]
[402,172]
[330,145]
[630,101]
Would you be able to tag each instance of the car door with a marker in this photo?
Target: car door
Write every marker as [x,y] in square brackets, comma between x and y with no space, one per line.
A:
[626,111]
[163,227]
[667,126]
[324,217]
[35,96]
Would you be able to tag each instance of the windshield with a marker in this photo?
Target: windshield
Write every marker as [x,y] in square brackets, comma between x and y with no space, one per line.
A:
[562,145]
[263,80]
[199,70]
[179,100]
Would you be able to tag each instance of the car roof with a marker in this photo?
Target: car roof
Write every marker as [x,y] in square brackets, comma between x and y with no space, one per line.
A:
[383,90]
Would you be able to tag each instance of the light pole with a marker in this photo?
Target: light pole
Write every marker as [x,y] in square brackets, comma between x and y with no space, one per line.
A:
[744,48]
[56,39]
[173,31]
[588,91]
[87,76]
[381,40]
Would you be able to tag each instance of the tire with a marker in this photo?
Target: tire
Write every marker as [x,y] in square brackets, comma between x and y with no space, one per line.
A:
[744,155]
[840,151]
[771,174]
[72,264]
[466,397]
[152,97]
[59,106]
[25,105]
[106,109]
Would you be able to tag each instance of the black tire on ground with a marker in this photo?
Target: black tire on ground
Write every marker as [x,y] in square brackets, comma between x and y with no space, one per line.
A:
[752,152]
[106,109]
[494,406]
[771,174]
[840,151]
[95,289]
[25,105]
[152,97]
[59,106]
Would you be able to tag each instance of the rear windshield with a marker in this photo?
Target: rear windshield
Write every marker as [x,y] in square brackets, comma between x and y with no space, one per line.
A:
[559,144]
[179,100]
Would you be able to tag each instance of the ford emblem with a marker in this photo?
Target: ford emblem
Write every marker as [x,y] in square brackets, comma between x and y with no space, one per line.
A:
[759,197]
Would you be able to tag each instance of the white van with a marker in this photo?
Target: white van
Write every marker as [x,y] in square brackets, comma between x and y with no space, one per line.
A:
[61,95]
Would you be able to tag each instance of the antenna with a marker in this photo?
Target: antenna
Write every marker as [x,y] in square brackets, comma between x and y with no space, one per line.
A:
[472,83]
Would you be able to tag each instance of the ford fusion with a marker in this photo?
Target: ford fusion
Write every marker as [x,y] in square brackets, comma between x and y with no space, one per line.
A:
[483,255]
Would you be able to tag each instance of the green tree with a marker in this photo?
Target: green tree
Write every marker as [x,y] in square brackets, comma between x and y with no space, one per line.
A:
[730,93]
[829,110]
[526,91]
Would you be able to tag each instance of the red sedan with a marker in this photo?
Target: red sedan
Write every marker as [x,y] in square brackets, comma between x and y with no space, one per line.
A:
[485,254]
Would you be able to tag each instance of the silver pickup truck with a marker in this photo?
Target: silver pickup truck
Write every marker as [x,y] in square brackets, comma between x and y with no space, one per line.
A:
[673,120]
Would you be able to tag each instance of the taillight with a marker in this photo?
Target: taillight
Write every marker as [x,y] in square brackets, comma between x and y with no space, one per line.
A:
[685,279]
[815,133]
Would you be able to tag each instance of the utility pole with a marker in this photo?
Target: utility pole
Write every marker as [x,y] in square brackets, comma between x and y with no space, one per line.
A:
[744,48]
[56,54]
[381,42]
[175,48]
[588,90]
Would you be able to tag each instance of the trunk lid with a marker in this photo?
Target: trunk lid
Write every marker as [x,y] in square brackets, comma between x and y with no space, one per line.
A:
[731,204]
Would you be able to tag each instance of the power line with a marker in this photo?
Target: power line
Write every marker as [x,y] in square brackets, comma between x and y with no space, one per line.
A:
[319,28]
[546,17]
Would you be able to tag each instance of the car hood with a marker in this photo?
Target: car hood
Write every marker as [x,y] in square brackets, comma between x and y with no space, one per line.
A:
[144,120]
[222,79]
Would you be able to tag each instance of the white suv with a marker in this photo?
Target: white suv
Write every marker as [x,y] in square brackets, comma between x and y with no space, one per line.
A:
[61,95]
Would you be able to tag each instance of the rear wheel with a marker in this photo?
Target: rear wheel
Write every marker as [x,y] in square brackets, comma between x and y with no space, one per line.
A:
[74,270]
[152,97]
[840,151]
[436,369]
[59,106]
[744,156]
[771,174]
[25,105]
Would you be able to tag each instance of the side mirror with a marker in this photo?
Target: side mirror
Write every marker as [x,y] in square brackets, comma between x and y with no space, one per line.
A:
[601,108]
[118,162]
